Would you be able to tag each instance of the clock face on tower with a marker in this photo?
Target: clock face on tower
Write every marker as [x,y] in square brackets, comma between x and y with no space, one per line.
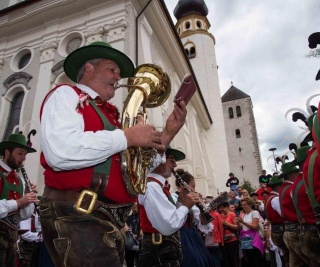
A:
[73,44]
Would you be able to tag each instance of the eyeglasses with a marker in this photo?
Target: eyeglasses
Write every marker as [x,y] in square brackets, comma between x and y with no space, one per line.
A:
[171,158]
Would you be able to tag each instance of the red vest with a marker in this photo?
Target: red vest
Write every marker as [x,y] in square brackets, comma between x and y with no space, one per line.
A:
[80,179]
[287,207]
[13,181]
[273,216]
[316,174]
[145,224]
[303,201]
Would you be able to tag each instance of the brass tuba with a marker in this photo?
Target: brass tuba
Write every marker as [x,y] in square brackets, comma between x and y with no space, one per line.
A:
[149,87]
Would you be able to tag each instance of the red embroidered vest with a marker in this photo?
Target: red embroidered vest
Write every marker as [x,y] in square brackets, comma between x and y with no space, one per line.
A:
[303,201]
[145,224]
[80,179]
[287,207]
[11,186]
[272,215]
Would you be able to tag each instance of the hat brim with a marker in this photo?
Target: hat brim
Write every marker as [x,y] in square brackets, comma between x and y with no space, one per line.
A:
[178,155]
[5,145]
[77,58]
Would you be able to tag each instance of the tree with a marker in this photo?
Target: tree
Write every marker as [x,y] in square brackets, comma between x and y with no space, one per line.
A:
[248,186]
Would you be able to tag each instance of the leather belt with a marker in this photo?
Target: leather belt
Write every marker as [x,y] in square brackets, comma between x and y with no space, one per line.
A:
[86,202]
[309,227]
[292,226]
[277,228]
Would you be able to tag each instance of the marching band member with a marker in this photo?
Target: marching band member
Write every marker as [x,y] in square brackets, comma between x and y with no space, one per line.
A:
[81,140]
[160,219]
[14,206]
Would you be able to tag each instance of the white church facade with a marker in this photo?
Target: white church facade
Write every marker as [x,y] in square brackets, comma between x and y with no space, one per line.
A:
[36,37]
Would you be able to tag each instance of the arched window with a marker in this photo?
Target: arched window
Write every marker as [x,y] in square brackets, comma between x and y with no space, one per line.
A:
[14,115]
[230,113]
[238,134]
[192,52]
[187,25]
[238,110]
[187,52]
[199,25]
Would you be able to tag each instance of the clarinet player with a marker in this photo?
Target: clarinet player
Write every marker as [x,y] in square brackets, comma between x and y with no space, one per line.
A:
[16,204]
[160,219]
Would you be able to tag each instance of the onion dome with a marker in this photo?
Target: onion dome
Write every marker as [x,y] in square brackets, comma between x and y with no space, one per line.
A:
[188,7]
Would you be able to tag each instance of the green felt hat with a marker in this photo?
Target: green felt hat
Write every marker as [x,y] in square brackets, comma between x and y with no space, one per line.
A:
[301,155]
[276,180]
[178,155]
[15,140]
[287,168]
[75,60]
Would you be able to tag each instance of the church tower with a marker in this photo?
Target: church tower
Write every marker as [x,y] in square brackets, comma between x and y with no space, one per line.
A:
[242,138]
[199,44]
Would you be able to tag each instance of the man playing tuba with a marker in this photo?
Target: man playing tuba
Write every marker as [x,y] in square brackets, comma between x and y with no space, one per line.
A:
[85,202]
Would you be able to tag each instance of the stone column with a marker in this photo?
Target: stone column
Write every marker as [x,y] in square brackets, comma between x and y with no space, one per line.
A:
[43,86]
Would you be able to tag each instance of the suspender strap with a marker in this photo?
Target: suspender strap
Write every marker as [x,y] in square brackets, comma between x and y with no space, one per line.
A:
[309,187]
[295,200]
[101,171]
[166,192]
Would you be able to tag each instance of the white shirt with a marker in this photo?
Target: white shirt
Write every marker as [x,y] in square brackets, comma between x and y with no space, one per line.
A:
[65,144]
[275,203]
[31,236]
[248,218]
[7,206]
[163,215]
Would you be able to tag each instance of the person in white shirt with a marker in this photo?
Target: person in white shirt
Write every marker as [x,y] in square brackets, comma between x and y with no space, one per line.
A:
[81,138]
[16,203]
[160,219]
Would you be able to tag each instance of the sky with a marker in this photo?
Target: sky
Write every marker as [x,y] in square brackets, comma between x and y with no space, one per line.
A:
[261,46]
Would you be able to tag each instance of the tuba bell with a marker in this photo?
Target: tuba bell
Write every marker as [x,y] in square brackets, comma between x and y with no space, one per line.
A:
[149,87]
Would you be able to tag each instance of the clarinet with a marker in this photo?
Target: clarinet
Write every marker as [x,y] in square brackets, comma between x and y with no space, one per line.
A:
[187,188]
[27,183]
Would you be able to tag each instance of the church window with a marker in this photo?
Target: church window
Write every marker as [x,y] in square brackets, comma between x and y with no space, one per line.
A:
[73,44]
[230,113]
[199,25]
[238,134]
[14,115]
[187,52]
[187,25]
[192,52]
[24,60]
[238,110]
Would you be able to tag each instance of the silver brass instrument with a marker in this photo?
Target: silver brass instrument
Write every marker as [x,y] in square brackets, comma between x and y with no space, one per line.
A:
[149,87]
[187,188]
[215,203]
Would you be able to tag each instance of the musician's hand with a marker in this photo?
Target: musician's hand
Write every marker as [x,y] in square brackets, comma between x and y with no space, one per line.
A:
[34,188]
[188,200]
[143,135]
[174,123]
[27,199]
[126,228]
